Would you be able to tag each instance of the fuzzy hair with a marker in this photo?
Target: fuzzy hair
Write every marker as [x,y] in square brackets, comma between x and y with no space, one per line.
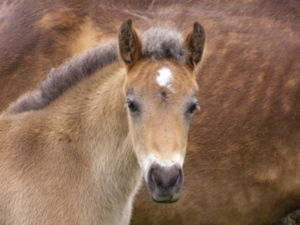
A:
[65,76]
[157,42]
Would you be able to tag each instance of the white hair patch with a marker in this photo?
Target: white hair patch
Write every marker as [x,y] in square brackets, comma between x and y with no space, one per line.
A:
[164,77]
[175,159]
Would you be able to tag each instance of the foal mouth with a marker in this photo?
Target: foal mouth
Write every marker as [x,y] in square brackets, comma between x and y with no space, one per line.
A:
[165,199]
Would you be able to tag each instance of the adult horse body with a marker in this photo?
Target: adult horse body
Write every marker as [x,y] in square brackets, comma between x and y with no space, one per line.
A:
[242,165]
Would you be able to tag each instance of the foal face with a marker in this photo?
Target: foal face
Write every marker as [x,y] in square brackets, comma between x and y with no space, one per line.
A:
[161,99]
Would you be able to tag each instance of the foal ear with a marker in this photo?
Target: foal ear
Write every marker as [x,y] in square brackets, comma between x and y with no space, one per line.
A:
[194,43]
[129,44]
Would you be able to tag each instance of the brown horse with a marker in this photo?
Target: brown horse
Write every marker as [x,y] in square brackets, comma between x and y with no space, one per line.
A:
[242,164]
[70,151]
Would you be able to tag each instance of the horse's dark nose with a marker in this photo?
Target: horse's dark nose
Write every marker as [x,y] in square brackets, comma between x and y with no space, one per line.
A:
[164,182]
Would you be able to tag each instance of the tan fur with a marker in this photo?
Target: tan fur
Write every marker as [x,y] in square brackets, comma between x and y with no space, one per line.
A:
[88,37]
[242,163]
[150,137]
[57,167]
[76,159]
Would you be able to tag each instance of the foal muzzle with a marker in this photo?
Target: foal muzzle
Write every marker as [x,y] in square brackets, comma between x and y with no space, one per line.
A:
[164,182]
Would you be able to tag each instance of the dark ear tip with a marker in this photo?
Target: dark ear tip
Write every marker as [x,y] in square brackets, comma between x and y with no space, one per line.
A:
[196,24]
[127,24]
[198,28]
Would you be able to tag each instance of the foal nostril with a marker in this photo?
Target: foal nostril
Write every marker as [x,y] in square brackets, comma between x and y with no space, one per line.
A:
[156,179]
[166,178]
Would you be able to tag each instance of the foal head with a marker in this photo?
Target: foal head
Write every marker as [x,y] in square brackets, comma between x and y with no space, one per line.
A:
[160,92]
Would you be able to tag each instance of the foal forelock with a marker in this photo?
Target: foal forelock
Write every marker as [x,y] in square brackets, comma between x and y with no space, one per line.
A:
[158,43]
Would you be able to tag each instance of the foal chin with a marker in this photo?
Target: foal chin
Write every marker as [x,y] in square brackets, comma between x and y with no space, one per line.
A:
[164,178]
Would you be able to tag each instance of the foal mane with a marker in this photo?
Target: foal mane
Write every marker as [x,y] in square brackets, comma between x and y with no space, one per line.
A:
[158,43]
[65,76]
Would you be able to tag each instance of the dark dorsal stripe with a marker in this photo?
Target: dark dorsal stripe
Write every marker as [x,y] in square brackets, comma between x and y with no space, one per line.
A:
[67,75]
[158,43]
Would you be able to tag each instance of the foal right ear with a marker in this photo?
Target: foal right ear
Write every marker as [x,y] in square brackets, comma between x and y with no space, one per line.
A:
[129,44]
[195,44]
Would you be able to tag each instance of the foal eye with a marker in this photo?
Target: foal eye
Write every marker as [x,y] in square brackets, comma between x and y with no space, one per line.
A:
[132,106]
[192,108]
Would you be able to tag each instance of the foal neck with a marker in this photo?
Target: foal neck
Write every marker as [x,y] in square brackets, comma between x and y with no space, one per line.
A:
[80,142]
[93,116]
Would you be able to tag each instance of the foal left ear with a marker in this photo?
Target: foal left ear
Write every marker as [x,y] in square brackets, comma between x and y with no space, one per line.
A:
[129,44]
[194,43]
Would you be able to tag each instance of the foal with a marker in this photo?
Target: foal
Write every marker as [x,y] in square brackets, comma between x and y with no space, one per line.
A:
[71,153]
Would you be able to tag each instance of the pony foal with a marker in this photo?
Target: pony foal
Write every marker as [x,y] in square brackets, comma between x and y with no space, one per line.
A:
[71,153]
